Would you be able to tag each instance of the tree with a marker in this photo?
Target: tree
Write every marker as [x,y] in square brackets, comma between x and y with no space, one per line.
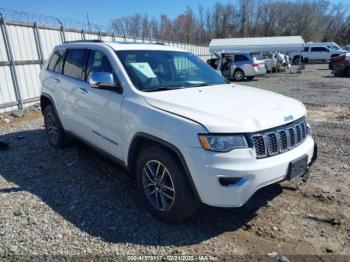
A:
[315,20]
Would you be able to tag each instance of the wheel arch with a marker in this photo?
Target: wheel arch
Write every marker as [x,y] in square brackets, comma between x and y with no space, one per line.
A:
[45,100]
[142,140]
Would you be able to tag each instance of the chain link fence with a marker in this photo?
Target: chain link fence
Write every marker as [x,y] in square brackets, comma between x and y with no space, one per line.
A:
[26,41]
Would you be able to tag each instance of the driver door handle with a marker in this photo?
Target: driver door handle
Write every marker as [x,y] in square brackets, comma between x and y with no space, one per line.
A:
[83,90]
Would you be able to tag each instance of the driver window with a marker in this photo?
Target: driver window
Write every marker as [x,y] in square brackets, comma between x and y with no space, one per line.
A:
[98,62]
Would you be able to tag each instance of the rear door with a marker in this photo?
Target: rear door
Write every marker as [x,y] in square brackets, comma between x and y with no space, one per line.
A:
[71,81]
[227,66]
[243,62]
[51,79]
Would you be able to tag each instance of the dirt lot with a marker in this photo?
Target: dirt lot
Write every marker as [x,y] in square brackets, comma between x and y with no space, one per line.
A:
[73,202]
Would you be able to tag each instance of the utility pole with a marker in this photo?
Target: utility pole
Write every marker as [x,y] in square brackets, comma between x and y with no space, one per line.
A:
[88,21]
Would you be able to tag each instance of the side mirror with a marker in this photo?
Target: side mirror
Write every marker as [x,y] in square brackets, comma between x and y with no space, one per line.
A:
[104,80]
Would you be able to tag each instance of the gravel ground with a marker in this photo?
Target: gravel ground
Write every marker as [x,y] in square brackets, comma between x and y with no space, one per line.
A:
[73,202]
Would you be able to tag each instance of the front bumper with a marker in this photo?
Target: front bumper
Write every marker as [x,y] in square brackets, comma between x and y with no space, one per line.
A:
[207,167]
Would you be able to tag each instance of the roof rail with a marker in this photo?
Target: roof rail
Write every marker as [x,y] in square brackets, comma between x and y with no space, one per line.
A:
[85,41]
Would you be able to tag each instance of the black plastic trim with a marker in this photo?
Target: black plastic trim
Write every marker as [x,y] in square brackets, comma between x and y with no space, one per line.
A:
[100,151]
[53,105]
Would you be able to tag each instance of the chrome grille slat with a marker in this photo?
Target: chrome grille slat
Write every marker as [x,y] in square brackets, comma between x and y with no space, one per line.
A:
[279,140]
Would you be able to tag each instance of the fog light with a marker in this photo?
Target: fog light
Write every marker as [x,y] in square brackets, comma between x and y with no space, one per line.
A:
[231,181]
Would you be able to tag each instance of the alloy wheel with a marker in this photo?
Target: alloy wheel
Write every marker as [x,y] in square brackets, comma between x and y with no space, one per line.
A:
[238,75]
[158,185]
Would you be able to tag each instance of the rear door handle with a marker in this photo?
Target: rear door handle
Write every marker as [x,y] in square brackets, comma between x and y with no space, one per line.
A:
[56,80]
[83,90]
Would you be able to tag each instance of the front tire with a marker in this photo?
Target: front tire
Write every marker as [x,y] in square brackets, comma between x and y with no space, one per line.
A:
[54,131]
[238,75]
[164,188]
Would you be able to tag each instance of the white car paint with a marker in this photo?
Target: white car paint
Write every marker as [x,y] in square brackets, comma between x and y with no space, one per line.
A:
[177,117]
[255,113]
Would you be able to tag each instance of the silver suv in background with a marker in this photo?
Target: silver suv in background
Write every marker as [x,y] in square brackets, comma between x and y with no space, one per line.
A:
[240,65]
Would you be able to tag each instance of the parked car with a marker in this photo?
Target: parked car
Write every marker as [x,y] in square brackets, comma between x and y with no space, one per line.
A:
[341,65]
[333,60]
[315,52]
[238,66]
[330,45]
[187,135]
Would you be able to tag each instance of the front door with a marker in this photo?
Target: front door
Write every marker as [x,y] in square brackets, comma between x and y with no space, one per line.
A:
[99,109]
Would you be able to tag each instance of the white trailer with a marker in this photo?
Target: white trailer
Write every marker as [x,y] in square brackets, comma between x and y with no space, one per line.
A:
[282,44]
[289,45]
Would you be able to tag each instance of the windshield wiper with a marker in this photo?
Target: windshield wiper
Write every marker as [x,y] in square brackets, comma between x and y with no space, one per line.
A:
[198,85]
[160,89]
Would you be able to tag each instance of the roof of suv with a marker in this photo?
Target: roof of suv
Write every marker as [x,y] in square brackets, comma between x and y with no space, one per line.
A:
[122,46]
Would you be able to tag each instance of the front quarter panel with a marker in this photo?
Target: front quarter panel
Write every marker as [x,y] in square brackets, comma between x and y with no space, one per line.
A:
[140,117]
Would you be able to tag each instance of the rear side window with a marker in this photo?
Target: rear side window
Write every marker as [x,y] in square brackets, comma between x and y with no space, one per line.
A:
[240,58]
[56,61]
[318,49]
[75,63]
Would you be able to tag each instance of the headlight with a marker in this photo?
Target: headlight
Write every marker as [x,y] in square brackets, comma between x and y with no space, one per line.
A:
[222,143]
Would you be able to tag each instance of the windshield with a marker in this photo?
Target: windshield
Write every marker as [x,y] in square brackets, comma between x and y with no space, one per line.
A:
[154,70]
[333,47]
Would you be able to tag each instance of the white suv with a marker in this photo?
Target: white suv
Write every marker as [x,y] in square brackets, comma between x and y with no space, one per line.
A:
[316,52]
[188,135]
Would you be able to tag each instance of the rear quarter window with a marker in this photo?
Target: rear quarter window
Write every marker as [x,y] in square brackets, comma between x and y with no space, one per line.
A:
[239,58]
[56,61]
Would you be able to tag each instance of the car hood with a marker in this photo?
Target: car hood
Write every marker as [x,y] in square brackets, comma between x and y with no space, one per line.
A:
[229,108]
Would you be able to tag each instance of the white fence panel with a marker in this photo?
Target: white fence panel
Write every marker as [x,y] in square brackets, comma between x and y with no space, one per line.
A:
[107,38]
[72,36]
[22,42]
[91,36]
[28,80]
[49,39]
[3,54]
[7,91]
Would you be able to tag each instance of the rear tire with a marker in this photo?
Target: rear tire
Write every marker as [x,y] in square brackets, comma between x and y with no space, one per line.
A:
[54,130]
[238,75]
[165,190]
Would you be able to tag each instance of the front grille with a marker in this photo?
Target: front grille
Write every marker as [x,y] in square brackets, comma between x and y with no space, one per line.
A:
[279,140]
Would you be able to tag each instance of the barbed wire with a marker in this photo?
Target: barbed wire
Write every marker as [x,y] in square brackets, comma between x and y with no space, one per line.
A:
[26,17]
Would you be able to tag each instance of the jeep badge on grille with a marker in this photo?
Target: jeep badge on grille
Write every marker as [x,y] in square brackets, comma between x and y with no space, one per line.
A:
[288,118]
